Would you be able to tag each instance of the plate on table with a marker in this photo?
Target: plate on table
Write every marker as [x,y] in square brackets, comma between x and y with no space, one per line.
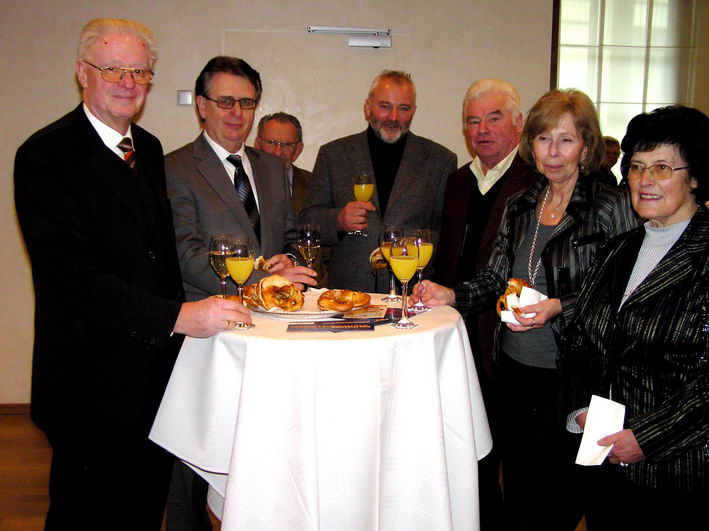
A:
[308,312]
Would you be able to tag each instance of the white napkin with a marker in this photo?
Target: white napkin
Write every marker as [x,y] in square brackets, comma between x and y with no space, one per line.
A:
[526,297]
[604,417]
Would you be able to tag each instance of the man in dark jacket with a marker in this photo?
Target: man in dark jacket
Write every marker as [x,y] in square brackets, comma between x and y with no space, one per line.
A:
[109,318]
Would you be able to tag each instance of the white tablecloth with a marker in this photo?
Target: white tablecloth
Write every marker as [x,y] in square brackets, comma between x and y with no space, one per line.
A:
[377,430]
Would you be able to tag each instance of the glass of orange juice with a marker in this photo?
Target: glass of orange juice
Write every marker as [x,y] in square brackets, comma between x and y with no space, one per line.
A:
[240,266]
[388,236]
[363,191]
[404,262]
[422,240]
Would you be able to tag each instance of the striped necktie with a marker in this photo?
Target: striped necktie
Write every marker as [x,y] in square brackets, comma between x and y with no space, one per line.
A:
[126,146]
[246,194]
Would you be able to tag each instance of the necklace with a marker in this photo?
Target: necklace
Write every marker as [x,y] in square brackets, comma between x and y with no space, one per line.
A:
[533,274]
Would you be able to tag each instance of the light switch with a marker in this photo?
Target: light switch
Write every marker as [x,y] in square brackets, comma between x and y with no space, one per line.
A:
[184,97]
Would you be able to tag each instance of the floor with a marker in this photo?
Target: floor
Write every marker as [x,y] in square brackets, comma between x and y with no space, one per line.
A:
[24,473]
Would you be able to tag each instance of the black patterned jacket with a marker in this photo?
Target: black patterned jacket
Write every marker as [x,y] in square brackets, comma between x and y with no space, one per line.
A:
[596,213]
[651,355]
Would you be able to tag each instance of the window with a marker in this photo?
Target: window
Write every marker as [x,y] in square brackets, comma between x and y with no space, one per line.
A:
[629,56]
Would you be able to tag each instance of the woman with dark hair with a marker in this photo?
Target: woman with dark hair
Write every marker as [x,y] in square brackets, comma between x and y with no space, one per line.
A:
[640,334]
[549,237]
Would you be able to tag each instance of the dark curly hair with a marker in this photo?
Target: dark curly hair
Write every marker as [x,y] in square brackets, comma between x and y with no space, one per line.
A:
[676,125]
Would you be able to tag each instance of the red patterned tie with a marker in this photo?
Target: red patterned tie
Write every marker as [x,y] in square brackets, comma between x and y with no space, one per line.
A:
[126,146]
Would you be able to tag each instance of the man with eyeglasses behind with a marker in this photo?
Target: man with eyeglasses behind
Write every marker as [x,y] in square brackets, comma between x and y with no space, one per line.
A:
[217,184]
[109,313]
[281,134]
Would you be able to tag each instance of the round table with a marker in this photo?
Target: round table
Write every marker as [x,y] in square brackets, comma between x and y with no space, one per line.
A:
[352,431]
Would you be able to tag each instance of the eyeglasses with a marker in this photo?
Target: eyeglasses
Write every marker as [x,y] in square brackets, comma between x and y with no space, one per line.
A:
[659,171]
[114,74]
[246,104]
[274,143]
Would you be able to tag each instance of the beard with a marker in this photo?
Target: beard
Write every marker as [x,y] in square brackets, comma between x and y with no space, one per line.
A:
[389,131]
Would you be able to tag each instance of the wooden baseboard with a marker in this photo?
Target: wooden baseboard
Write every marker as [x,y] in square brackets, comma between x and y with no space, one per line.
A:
[14,409]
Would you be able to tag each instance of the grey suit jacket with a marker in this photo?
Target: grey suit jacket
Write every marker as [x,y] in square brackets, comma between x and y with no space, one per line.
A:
[204,202]
[416,201]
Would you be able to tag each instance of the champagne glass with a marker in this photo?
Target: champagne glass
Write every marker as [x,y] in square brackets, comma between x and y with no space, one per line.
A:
[387,238]
[221,247]
[363,191]
[240,266]
[404,261]
[309,242]
[422,239]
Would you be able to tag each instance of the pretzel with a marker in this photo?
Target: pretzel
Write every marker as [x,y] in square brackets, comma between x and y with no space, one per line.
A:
[274,291]
[342,300]
[514,287]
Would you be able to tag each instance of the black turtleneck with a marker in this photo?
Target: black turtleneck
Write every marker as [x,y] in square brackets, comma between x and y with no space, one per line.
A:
[386,159]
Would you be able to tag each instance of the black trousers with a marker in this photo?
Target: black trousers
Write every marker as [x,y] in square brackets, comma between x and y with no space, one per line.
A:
[187,500]
[617,504]
[543,489]
[98,485]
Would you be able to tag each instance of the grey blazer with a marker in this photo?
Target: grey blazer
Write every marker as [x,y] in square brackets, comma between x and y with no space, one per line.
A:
[204,202]
[416,201]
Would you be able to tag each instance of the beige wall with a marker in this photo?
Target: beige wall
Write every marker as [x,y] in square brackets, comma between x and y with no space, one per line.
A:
[452,43]
[701,84]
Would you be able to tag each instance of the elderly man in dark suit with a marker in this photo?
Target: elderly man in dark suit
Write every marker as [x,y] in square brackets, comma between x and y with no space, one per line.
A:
[91,202]
[206,180]
[475,199]
[409,171]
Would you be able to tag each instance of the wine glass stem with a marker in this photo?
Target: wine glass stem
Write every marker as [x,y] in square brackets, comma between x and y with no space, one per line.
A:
[404,314]
[223,281]
[392,284]
[419,274]
[240,291]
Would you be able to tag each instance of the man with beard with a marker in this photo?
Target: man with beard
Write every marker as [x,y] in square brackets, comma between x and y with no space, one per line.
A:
[410,176]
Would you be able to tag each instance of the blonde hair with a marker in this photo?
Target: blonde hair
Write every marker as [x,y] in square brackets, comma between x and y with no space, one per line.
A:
[99,27]
[545,115]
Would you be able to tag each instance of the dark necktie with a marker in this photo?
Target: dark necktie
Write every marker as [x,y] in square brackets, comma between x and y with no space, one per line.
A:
[126,146]
[246,194]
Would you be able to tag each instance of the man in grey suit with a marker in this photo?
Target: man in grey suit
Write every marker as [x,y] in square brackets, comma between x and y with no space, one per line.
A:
[218,185]
[410,174]
[206,180]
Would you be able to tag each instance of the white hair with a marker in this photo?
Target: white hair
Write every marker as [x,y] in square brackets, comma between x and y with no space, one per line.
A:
[486,86]
[99,27]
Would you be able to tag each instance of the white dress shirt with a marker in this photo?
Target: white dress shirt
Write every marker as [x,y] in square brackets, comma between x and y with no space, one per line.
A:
[488,180]
[108,135]
[229,167]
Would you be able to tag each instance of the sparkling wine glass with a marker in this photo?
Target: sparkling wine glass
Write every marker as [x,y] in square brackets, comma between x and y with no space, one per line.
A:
[404,261]
[221,247]
[388,236]
[309,242]
[422,239]
[240,266]
[363,191]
